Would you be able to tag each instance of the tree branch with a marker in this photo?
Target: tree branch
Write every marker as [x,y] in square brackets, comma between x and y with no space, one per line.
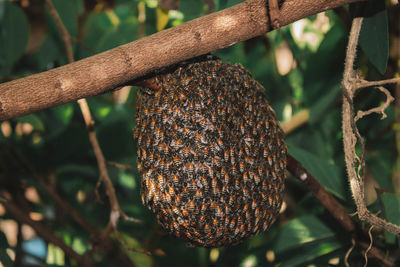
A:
[351,135]
[335,209]
[44,232]
[108,70]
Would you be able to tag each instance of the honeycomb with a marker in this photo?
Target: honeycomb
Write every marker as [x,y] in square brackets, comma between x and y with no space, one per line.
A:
[211,156]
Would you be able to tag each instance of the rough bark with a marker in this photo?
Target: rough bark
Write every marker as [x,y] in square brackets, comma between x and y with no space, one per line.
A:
[108,70]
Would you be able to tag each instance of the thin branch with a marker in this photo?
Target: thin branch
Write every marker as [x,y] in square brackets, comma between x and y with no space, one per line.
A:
[326,198]
[65,35]
[45,233]
[298,120]
[336,210]
[116,67]
[116,211]
[379,110]
[362,83]
[351,134]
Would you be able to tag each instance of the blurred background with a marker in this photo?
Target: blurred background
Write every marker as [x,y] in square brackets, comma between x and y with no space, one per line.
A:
[47,162]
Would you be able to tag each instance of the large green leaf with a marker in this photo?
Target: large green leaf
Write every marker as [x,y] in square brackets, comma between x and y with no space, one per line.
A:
[391,207]
[326,173]
[374,36]
[310,252]
[300,231]
[121,34]
[14,30]
[320,108]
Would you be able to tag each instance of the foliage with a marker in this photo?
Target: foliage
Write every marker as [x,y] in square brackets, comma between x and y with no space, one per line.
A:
[53,144]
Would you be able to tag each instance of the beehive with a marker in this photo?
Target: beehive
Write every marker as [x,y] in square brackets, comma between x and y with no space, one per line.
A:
[210,153]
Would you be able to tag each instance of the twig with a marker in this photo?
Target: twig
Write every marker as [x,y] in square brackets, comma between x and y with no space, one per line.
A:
[351,135]
[326,198]
[369,247]
[346,257]
[45,233]
[336,210]
[64,33]
[55,195]
[379,110]
[362,83]
[116,211]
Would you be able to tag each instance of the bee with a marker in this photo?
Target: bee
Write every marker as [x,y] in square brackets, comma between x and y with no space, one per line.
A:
[256,178]
[226,155]
[216,161]
[245,177]
[241,166]
[175,179]
[216,191]
[152,124]
[171,191]
[176,160]
[160,180]
[226,179]
[207,228]
[203,168]
[264,185]
[198,194]
[213,182]
[192,185]
[223,171]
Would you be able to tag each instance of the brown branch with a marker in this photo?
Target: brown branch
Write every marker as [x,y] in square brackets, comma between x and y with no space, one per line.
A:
[335,209]
[65,35]
[298,120]
[45,233]
[362,84]
[379,110]
[103,72]
[274,13]
[351,135]
[326,198]
[116,211]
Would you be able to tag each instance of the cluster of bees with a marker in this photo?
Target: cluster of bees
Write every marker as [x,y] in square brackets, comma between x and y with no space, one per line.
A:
[211,155]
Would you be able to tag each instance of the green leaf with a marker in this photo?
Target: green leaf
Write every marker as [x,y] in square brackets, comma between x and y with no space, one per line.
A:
[3,241]
[320,108]
[191,9]
[391,207]
[14,31]
[48,53]
[300,231]
[69,11]
[124,33]
[308,253]
[326,173]
[374,35]
[140,259]
[64,113]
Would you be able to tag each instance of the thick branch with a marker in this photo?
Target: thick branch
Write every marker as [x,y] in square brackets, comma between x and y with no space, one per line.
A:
[103,72]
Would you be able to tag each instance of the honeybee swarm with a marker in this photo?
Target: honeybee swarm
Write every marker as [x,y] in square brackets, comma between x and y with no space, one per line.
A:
[211,155]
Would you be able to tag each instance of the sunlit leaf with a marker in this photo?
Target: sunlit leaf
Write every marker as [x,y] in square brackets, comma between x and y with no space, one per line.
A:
[301,230]
[162,18]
